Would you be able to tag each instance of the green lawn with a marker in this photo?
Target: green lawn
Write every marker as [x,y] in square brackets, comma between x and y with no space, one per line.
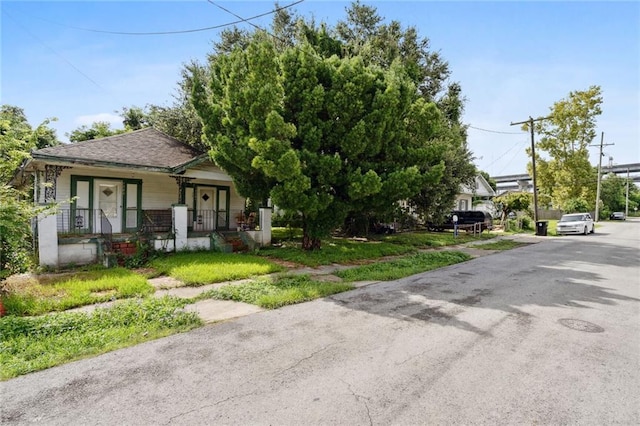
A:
[271,293]
[499,245]
[199,268]
[30,344]
[48,293]
[403,267]
[336,250]
[432,239]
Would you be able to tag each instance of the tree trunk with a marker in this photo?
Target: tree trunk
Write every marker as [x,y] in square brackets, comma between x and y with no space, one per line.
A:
[309,243]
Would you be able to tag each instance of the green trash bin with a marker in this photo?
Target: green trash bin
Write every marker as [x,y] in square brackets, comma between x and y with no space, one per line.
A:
[541,228]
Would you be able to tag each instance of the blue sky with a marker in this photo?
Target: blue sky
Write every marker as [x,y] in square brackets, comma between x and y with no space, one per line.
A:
[513,60]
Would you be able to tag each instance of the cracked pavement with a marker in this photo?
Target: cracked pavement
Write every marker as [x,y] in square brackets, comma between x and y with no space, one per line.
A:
[547,333]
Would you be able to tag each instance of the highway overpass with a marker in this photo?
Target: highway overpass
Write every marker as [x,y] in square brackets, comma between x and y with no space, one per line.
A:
[523,181]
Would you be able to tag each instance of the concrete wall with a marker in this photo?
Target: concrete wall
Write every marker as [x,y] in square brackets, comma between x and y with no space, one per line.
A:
[82,253]
[199,243]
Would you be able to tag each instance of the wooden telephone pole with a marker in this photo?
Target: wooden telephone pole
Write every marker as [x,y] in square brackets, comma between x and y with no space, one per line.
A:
[602,144]
[530,122]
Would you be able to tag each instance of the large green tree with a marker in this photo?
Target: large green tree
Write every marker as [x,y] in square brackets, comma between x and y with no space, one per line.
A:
[17,139]
[365,34]
[320,134]
[97,130]
[564,174]
[613,194]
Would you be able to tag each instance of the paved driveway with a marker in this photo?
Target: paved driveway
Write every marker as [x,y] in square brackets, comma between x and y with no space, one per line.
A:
[544,334]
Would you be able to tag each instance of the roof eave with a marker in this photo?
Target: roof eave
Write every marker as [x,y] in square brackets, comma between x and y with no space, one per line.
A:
[98,163]
[194,162]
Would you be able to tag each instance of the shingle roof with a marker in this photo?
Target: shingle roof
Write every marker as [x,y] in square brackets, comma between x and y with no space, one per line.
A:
[148,148]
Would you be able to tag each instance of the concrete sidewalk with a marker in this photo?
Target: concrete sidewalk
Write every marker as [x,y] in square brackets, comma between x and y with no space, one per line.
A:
[211,310]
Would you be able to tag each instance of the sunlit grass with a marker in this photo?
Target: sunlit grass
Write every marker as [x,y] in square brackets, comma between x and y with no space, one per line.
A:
[500,245]
[433,239]
[336,250]
[48,293]
[285,234]
[403,267]
[201,268]
[271,293]
[30,344]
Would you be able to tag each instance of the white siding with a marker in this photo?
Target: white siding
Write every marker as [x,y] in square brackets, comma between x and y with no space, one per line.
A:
[159,191]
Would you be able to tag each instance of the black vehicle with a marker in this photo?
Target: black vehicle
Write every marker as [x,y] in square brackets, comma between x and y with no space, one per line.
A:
[466,220]
[617,216]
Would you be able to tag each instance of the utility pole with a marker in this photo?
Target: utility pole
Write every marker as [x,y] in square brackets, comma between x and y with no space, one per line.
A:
[530,122]
[602,144]
[626,204]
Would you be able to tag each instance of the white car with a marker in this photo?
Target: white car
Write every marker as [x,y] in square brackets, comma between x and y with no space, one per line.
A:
[575,223]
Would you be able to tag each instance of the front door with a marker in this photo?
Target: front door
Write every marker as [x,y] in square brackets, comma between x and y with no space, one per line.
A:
[205,213]
[109,201]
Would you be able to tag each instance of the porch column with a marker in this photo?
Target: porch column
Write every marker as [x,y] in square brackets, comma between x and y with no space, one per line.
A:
[265,225]
[48,240]
[51,174]
[181,181]
[180,215]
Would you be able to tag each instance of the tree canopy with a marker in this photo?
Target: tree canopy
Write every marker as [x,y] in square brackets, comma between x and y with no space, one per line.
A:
[17,139]
[565,177]
[334,123]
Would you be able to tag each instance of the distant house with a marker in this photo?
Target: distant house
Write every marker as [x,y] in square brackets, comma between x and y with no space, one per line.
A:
[480,190]
[116,189]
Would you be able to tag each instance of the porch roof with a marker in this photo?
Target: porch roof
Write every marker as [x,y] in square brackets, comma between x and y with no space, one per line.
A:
[147,149]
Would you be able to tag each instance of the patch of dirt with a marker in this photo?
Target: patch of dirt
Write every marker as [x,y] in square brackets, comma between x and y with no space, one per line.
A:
[328,278]
[103,293]
[165,282]
[147,272]
[285,263]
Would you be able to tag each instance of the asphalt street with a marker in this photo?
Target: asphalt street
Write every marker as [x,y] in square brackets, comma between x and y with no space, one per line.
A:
[548,333]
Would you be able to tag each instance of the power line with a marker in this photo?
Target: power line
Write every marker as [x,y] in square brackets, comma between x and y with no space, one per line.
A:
[505,153]
[194,30]
[494,131]
[53,50]
[246,20]
[512,158]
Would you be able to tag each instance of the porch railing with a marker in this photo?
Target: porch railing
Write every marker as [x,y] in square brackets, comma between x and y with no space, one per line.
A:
[159,220]
[77,221]
[246,221]
[81,221]
[204,220]
[106,230]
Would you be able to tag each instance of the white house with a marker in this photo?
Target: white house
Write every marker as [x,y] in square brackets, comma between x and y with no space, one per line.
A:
[480,189]
[142,184]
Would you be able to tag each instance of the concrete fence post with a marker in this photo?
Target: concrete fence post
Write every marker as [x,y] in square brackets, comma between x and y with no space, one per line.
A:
[180,215]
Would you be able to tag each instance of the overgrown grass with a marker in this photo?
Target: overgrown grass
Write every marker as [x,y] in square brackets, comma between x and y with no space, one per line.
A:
[336,250]
[49,293]
[274,293]
[403,267]
[500,245]
[432,239]
[285,234]
[199,268]
[30,344]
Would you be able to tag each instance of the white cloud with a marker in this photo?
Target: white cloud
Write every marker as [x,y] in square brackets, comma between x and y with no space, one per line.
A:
[87,120]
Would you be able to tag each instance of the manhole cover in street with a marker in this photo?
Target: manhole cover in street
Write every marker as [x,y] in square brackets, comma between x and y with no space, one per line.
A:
[576,324]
